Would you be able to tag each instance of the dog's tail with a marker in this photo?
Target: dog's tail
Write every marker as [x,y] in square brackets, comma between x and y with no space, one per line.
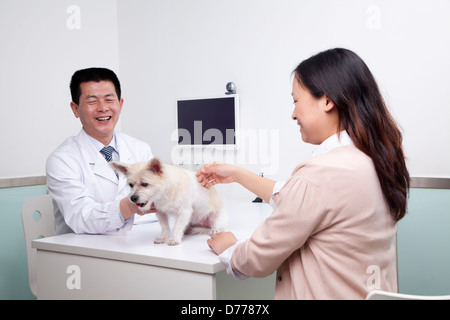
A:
[200,230]
[197,230]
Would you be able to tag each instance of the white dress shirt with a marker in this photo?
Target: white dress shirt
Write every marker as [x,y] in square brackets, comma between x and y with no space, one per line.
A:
[99,146]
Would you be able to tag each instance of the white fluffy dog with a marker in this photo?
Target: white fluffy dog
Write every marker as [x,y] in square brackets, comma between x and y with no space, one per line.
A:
[174,192]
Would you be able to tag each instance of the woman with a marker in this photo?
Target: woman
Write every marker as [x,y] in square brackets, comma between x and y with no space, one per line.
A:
[332,231]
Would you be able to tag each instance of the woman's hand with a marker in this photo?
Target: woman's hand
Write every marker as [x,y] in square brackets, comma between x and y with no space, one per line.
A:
[214,173]
[221,241]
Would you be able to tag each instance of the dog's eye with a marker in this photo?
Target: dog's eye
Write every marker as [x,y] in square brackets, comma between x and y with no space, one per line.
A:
[144,184]
[131,185]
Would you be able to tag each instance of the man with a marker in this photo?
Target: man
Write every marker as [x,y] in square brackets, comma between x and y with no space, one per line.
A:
[87,194]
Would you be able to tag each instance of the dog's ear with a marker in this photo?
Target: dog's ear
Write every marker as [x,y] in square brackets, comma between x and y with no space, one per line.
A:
[155,166]
[119,166]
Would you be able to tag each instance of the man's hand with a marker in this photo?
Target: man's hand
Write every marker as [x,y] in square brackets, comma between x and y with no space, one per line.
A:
[128,208]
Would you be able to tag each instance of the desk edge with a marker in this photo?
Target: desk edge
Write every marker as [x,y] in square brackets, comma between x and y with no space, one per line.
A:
[129,257]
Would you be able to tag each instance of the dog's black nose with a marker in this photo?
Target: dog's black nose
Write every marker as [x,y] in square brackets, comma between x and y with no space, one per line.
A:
[134,198]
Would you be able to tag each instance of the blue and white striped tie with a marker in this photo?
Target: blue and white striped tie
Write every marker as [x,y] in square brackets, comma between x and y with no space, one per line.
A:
[107,153]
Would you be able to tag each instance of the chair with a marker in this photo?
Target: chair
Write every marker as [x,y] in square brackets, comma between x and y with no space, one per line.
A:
[384,295]
[38,222]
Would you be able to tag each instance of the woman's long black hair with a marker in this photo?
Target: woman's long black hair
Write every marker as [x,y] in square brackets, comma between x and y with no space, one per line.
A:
[344,78]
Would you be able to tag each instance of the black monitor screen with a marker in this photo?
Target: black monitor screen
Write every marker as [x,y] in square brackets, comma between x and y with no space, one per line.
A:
[207,121]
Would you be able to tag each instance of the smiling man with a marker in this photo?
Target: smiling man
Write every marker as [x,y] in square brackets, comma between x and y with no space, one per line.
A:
[88,196]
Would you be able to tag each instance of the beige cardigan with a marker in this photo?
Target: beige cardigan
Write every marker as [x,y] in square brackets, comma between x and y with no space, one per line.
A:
[330,235]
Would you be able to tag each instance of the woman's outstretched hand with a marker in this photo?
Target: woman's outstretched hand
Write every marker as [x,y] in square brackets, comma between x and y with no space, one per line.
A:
[215,173]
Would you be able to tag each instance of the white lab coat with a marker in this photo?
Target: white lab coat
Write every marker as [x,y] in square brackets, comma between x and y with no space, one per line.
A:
[85,190]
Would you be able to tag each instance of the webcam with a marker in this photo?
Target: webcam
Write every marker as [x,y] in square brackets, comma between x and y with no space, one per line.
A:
[231,88]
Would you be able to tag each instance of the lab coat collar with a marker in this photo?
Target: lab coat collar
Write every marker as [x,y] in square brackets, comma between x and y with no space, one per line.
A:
[95,159]
[125,155]
[123,149]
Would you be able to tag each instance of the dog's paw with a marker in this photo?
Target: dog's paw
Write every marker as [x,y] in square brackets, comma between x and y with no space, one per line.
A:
[173,242]
[159,240]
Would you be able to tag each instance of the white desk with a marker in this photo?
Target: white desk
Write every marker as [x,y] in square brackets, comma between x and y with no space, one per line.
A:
[129,265]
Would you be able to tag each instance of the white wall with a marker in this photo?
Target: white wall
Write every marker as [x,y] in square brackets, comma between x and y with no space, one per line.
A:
[176,49]
[168,49]
[42,42]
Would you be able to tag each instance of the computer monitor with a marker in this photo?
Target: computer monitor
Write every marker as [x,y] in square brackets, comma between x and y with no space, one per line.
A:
[212,122]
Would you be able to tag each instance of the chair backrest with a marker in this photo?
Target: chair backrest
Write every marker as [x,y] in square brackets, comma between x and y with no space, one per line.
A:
[384,295]
[38,222]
